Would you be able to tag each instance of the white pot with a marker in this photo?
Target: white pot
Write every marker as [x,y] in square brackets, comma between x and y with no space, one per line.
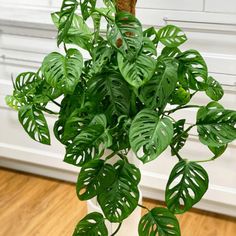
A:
[130,225]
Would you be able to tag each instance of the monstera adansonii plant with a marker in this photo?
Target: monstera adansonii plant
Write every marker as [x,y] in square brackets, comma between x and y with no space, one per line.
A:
[123,97]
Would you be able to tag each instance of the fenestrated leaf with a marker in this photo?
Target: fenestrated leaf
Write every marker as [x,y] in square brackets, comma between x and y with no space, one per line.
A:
[78,33]
[139,71]
[93,178]
[180,137]
[110,86]
[67,11]
[193,72]
[13,102]
[66,128]
[151,33]
[91,225]
[150,135]
[87,6]
[120,199]
[216,125]
[96,17]
[156,92]
[180,96]
[25,86]
[101,57]
[170,52]
[187,183]
[62,72]
[34,123]
[214,89]
[171,36]
[89,144]
[126,35]
[159,221]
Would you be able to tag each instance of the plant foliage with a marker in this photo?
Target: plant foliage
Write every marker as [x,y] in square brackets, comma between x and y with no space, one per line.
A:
[122,97]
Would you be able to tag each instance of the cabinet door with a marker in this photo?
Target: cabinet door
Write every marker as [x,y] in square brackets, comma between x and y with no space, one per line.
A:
[227,6]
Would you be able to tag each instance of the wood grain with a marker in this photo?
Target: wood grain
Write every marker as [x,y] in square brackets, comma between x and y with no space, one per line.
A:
[37,206]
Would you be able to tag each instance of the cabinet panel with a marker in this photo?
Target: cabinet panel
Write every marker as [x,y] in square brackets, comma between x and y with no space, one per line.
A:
[227,6]
[172,4]
[44,3]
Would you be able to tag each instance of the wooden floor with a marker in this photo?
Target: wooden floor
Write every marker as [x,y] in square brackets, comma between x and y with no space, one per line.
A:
[36,206]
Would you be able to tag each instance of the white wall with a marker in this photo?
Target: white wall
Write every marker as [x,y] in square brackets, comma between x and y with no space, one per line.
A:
[27,35]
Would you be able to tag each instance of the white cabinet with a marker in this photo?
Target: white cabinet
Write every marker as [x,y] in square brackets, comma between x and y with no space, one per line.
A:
[227,6]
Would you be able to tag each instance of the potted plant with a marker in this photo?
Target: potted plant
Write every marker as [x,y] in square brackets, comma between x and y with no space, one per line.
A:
[120,99]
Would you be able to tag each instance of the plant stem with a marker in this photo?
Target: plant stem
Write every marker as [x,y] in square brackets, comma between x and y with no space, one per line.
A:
[65,48]
[56,103]
[182,107]
[143,207]
[110,156]
[118,228]
[48,111]
[176,153]
[186,131]
[123,157]
[202,161]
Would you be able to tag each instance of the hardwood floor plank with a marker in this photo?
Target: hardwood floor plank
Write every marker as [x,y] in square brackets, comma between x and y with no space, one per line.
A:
[37,206]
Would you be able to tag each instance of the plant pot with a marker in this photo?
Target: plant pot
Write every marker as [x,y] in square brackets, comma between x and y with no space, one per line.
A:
[129,225]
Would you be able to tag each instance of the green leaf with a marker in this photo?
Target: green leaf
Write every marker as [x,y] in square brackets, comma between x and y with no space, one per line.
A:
[13,102]
[78,33]
[156,92]
[151,33]
[180,96]
[101,57]
[180,137]
[68,127]
[159,221]
[216,125]
[25,86]
[87,144]
[87,7]
[34,123]
[93,178]
[193,72]
[97,25]
[218,151]
[170,52]
[187,183]
[110,86]
[171,36]
[91,225]
[138,72]
[120,199]
[214,89]
[67,11]
[150,135]
[63,73]
[126,35]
